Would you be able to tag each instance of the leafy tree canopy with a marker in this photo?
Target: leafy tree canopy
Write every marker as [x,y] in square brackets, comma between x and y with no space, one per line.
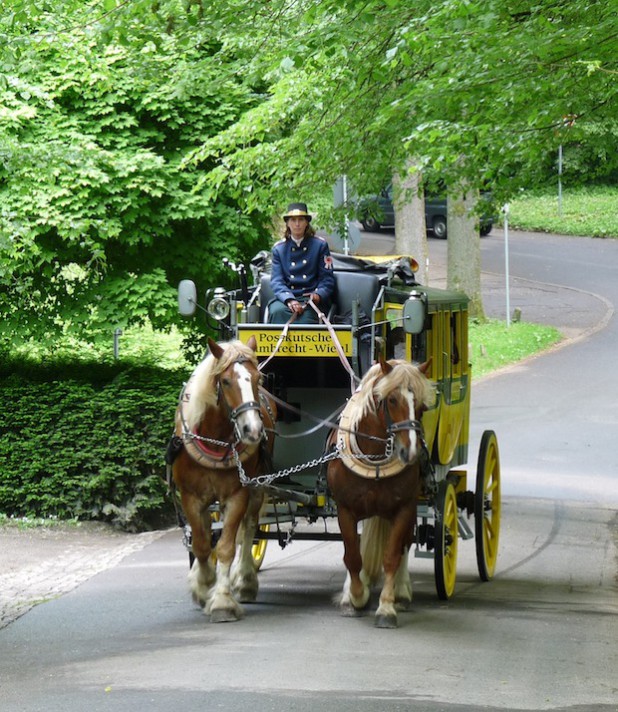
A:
[359,87]
[99,217]
[142,140]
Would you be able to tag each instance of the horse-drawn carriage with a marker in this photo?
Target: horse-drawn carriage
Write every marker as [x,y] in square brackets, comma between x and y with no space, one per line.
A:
[305,431]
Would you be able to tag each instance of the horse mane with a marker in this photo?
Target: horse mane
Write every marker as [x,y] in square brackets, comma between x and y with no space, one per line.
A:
[203,389]
[376,386]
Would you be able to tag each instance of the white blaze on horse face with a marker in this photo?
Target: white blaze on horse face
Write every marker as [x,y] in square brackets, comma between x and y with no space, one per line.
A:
[412,450]
[249,422]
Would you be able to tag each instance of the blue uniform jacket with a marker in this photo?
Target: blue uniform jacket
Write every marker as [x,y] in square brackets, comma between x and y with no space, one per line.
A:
[297,271]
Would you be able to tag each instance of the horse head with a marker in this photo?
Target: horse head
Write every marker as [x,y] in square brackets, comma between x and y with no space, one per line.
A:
[237,380]
[402,394]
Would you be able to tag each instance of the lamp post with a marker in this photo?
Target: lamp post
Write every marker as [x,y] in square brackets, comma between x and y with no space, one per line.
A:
[117,335]
[560,180]
[505,211]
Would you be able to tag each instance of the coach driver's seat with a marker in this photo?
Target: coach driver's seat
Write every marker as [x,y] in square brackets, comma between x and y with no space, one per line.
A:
[267,295]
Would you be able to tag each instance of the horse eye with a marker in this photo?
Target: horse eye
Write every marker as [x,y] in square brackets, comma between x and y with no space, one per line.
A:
[225,382]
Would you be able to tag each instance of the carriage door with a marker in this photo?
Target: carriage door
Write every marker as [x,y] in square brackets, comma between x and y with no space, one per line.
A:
[453,382]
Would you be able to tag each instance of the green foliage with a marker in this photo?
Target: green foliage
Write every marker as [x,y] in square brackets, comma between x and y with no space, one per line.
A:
[83,441]
[359,88]
[142,141]
[587,211]
[24,523]
[100,215]
[493,344]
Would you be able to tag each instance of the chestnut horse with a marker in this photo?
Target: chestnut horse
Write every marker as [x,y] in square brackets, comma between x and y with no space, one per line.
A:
[225,422]
[378,475]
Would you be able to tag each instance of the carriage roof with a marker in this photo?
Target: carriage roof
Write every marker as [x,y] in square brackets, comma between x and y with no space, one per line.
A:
[404,281]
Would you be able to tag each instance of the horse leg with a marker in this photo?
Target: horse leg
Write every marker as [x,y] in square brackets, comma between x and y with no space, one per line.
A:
[355,595]
[244,575]
[222,606]
[403,583]
[386,615]
[202,574]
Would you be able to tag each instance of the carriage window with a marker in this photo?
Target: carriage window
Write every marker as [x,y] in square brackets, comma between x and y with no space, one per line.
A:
[434,346]
[422,346]
[419,347]
[459,341]
[454,340]
[447,345]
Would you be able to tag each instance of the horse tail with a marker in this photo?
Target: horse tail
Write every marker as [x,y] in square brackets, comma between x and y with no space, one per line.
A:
[373,543]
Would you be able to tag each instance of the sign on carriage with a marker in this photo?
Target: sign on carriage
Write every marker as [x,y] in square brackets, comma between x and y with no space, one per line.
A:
[305,342]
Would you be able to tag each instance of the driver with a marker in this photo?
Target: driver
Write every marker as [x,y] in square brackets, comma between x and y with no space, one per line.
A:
[302,270]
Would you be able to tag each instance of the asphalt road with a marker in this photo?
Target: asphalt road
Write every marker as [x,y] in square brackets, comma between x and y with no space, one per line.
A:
[541,636]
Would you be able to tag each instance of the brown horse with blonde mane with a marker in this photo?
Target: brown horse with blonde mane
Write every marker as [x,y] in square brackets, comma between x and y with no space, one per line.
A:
[377,477]
[225,421]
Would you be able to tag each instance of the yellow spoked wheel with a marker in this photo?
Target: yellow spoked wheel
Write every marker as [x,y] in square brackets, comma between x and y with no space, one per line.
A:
[487,506]
[258,550]
[446,532]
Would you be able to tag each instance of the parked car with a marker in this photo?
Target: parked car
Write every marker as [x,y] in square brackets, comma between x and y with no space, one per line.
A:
[377,212]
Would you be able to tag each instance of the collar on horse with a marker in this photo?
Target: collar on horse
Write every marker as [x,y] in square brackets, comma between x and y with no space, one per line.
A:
[198,446]
[369,466]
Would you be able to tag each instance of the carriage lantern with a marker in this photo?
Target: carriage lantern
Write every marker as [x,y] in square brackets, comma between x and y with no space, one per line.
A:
[219,306]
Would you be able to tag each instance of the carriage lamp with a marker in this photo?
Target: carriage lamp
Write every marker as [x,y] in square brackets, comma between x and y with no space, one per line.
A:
[415,313]
[218,306]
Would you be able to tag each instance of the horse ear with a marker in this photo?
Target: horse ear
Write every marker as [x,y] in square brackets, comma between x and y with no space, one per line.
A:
[252,343]
[215,349]
[385,365]
[424,367]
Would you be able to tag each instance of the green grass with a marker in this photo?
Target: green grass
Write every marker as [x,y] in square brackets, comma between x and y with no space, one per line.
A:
[591,211]
[141,345]
[493,344]
[24,523]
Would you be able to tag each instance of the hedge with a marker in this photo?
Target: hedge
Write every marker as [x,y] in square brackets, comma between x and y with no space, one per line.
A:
[86,442]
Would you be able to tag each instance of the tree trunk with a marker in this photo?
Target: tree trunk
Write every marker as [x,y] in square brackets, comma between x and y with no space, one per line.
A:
[410,231]
[464,250]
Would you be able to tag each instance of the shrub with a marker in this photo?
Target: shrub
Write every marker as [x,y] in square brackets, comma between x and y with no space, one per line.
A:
[86,445]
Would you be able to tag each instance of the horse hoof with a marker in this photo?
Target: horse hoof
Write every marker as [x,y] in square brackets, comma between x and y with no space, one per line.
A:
[247,594]
[403,604]
[384,621]
[348,611]
[222,615]
[198,600]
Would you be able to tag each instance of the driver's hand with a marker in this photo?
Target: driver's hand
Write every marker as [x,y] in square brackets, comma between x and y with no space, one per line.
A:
[315,298]
[295,306]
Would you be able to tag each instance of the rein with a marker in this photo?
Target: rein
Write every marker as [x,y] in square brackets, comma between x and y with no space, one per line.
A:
[354,379]
[281,339]
[320,422]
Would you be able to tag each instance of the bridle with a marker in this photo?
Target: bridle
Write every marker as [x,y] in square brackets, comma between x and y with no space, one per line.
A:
[234,413]
[200,447]
[396,427]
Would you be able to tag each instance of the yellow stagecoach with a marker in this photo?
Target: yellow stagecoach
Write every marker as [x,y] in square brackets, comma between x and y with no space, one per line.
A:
[312,370]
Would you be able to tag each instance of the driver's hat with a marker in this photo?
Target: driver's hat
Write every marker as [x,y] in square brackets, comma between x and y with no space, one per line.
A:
[297,210]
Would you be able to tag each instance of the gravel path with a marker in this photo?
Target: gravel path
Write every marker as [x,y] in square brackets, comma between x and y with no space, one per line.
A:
[44,562]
